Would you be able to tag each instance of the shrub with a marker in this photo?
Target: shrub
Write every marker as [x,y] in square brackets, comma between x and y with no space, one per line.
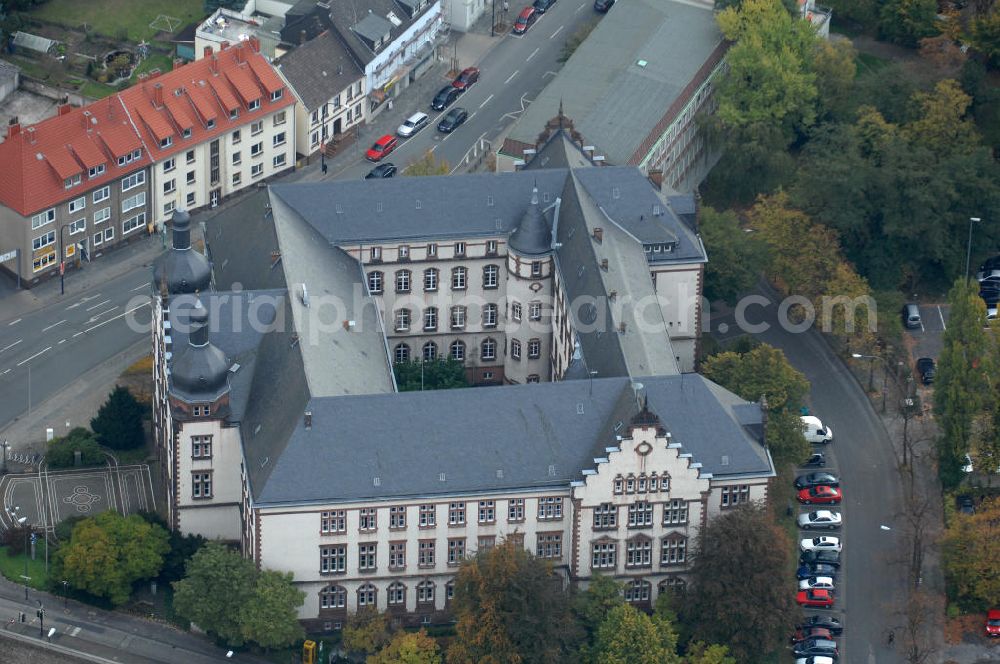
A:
[118,424]
[62,451]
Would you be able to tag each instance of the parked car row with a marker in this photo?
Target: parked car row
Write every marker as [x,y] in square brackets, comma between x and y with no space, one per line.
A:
[988,277]
[814,639]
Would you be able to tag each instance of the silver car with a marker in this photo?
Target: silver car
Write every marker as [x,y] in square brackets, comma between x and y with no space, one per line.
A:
[413,124]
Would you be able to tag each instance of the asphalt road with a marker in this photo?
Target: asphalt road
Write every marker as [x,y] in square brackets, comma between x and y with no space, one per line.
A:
[42,351]
[512,75]
[870,587]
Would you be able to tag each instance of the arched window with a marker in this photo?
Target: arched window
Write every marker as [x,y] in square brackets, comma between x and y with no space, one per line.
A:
[367,595]
[491,276]
[639,552]
[515,349]
[430,318]
[490,315]
[396,594]
[402,281]
[458,351]
[402,353]
[458,317]
[637,591]
[375,282]
[425,592]
[489,349]
[333,597]
[430,279]
[674,551]
[449,590]
[458,275]
[672,584]
[402,320]
[430,351]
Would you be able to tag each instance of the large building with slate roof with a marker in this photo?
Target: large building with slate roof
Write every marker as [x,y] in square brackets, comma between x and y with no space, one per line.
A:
[590,441]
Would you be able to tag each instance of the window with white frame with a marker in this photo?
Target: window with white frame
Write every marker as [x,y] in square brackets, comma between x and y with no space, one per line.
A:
[102,215]
[397,517]
[675,512]
[460,249]
[458,278]
[515,311]
[333,559]
[333,521]
[367,518]
[457,350]
[96,171]
[458,317]
[515,349]
[43,240]
[605,516]
[78,226]
[425,553]
[132,202]
[536,268]
[456,514]
[430,279]
[190,199]
[133,223]
[42,218]
[604,554]
[397,555]
[515,510]
[73,181]
[201,485]
[456,550]
[278,161]
[401,353]
[425,592]
[77,204]
[396,594]
[491,275]
[253,105]
[734,495]
[430,319]
[368,556]
[534,348]
[428,518]
[402,281]
[43,261]
[256,127]
[549,545]
[132,181]
[170,186]
[102,194]
[367,595]
[550,508]
[237,158]
[256,170]
[257,149]
[535,310]
[674,551]
[237,179]
[201,447]
[333,597]
[488,350]
[236,137]
[278,139]
[375,280]
[639,552]
[169,165]
[640,514]
[191,176]
[402,320]
[487,511]
[637,591]
[489,315]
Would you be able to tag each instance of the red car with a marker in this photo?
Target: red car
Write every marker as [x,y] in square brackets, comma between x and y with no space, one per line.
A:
[466,79]
[525,20]
[826,495]
[801,635]
[993,622]
[382,148]
[822,599]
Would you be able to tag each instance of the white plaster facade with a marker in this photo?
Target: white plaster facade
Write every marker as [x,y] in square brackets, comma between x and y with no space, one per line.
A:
[384,69]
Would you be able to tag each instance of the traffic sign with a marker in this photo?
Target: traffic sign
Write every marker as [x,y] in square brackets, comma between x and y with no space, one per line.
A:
[10,255]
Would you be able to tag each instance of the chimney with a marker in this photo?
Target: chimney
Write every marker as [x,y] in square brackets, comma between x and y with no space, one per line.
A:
[598,235]
[64,106]
[225,45]
[85,117]
[254,44]
[302,37]
[158,95]
[238,53]
[656,177]
[308,420]
[213,64]
[207,52]
[13,127]
[177,64]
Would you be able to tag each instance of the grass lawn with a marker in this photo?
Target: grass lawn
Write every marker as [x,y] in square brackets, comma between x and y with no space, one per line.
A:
[96,90]
[12,567]
[108,17]
[155,61]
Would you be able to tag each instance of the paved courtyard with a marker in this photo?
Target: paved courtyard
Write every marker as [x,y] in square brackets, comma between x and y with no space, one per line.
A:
[48,497]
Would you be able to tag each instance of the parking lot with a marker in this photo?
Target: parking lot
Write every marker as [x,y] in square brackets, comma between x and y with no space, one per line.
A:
[927,339]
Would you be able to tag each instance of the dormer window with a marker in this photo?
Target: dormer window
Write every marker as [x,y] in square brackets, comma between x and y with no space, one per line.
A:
[210,124]
[72,181]
[277,94]
[96,171]
[201,410]
[186,133]
[378,44]
[234,113]
[253,105]
[166,142]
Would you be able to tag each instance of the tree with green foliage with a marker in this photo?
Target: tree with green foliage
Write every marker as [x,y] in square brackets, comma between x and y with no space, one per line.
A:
[61,452]
[366,631]
[748,600]
[906,22]
[15,537]
[964,387]
[628,636]
[736,258]
[408,648]
[182,548]
[441,374]
[701,653]
[766,372]
[970,551]
[118,424]
[984,36]
[427,165]
[108,553]
[270,618]
[218,584]
[592,605]
[511,609]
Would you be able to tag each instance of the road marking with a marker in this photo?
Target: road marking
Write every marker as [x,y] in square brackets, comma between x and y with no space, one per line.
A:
[14,322]
[941,316]
[83,300]
[579,8]
[99,304]
[446,137]
[470,117]
[76,630]
[77,334]
[139,287]
[94,327]
[557,32]
[6,371]
[46,329]
[511,76]
[486,102]
[533,54]
[11,346]
[96,316]
[34,356]
[549,73]
[433,148]
[63,341]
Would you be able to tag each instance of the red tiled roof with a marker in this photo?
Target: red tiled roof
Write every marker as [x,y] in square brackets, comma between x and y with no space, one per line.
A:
[244,83]
[116,126]
[38,160]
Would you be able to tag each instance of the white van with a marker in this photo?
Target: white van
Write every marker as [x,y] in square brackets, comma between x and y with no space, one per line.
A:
[814,430]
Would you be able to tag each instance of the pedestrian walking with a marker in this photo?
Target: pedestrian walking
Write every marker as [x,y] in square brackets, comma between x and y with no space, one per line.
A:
[506,6]
[892,636]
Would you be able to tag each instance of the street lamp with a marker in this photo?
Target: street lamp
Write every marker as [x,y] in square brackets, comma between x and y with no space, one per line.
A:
[323,120]
[871,373]
[3,461]
[21,522]
[62,259]
[65,585]
[968,248]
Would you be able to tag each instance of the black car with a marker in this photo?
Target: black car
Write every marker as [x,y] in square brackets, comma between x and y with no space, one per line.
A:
[815,461]
[925,367]
[816,479]
[386,170]
[831,558]
[542,6]
[833,624]
[603,5]
[445,97]
[810,647]
[452,120]
[815,569]
[966,505]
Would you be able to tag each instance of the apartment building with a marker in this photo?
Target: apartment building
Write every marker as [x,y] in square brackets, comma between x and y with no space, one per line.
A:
[213,127]
[76,183]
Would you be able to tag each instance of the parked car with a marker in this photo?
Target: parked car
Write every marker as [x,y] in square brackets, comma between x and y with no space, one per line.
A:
[452,120]
[816,479]
[524,20]
[812,647]
[818,659]
[824,495]
[926,369]
[603,5]
[815,598]
[829,622]
[814,430]
[815,569]
[814,582]
[966,505]
[825,543]
[382,148]
[993,622]
[817,460]
[465,80]
[806,633]
[385,170]
[831,558]
[820,519]
[967,466]
[911,316]
[413,124]
[990,267]
[445,97]
[542,6]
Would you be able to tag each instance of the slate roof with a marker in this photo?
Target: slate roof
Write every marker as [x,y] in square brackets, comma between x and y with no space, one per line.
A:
[319,69]
[528,436]
[614,102]
[353,19]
